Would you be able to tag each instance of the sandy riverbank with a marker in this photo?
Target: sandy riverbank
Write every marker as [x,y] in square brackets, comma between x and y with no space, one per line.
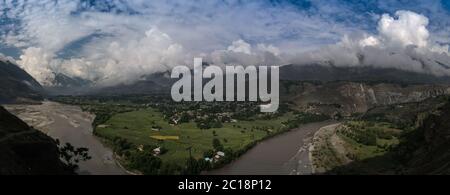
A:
[70,124]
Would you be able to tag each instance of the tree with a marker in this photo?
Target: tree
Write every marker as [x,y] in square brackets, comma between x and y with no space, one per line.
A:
[71,156]
[217,145]
[194,167]
[145,162]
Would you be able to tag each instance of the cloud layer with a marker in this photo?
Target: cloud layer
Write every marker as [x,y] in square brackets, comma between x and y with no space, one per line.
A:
[115,41]
[402,42]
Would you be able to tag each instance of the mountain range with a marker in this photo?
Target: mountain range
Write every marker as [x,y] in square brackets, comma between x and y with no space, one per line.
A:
[16,85]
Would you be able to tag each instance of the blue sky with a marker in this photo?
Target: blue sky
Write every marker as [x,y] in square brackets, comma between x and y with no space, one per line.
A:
[93,39]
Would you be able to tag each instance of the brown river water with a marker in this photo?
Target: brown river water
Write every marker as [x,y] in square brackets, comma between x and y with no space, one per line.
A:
[71,125]
[285,154]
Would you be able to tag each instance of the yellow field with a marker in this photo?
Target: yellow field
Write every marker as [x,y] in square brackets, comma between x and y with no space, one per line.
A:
[161,137]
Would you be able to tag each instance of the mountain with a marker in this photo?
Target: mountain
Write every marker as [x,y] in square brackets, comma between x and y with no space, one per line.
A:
[63,80]
[423,141]
[345,98]
[161,82]
[26,151]
[431,145]
[357,74]
[16,85]
[158,83]
[65,85]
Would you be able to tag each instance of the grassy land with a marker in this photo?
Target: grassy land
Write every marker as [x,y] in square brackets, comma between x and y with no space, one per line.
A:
[136,127]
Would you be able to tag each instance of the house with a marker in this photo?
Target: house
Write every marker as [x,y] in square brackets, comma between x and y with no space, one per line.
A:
[218,156]
[157,151]
[102,126]
[221,154]
[141,148]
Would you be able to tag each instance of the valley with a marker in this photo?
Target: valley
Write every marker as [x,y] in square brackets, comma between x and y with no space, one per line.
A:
[182,138]
[320,128]
[147,133]
[224,87]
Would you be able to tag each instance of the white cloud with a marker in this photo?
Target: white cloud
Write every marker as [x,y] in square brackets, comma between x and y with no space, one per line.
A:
[369,41]
[112,48]
[243,53]
[403,43]
[38,63]
[109,61]
[408,29]
[240,46]
[269,48]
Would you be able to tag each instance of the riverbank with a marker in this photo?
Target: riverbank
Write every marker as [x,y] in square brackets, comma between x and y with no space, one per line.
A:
[325,135]
[285,154]
[70,124]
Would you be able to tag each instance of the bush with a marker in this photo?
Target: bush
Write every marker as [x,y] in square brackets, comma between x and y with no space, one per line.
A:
[145,162]
[217,145]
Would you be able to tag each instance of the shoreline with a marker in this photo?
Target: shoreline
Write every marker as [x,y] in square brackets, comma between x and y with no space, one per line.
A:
[89,117]
[317,139]
[296,160]
[70,124]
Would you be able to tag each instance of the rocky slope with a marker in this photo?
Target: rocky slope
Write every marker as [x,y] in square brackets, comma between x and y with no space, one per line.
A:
[16,85]
[418,135]
[347,98]
[26,151]
[431,145]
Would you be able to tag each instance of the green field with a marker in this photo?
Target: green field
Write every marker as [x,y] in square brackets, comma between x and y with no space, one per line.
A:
[356,141]
[136,127]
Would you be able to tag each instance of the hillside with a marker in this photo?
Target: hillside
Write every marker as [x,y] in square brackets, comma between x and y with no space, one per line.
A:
[346,98]
[16,85]
[430,145]
[26,151]
[412,138]
[357,74]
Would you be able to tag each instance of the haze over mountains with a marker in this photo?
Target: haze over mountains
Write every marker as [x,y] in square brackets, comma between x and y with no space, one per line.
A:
[109,43]
[16,83]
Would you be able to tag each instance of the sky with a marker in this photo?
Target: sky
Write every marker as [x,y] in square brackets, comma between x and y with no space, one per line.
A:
[118,41]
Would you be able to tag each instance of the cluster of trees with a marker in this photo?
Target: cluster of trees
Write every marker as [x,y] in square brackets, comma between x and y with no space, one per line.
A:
[72,156]
[304,118]
[121,145]
[208,123]
[145,162]
[360,133]
[217,145]
[103,113]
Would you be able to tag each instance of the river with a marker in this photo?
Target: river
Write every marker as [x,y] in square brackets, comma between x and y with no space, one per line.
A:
[285,154]
[71,125]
